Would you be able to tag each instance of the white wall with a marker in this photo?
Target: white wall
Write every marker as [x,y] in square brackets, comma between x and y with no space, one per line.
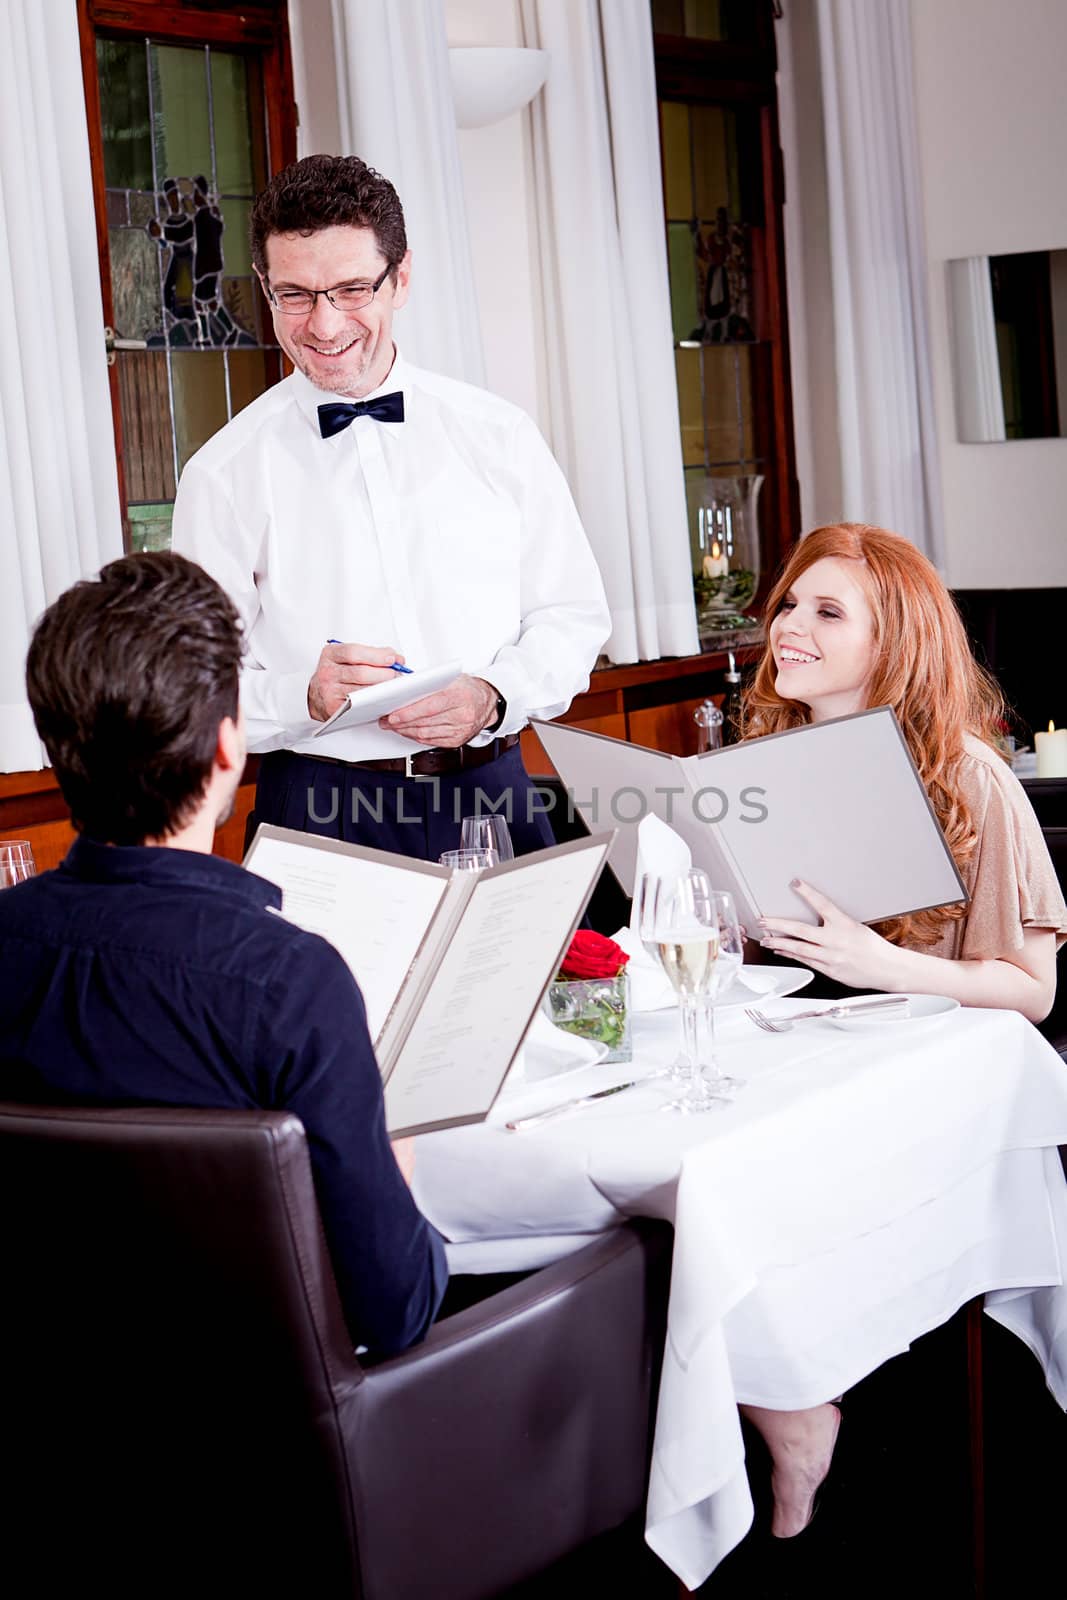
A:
[992,138]
[498,191]
[992,113]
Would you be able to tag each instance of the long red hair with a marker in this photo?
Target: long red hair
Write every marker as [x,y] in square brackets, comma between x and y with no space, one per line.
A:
[923,668]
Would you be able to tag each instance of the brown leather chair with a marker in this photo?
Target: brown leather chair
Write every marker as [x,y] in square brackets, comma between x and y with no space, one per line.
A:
[183,1412]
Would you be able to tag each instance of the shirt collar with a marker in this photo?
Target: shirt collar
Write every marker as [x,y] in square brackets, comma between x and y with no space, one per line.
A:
[90,861]
[309,397]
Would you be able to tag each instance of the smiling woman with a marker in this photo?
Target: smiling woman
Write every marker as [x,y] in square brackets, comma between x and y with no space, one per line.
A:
[822,640]
[860,618]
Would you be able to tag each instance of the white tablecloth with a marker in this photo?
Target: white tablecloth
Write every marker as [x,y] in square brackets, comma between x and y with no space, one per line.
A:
[861,1188]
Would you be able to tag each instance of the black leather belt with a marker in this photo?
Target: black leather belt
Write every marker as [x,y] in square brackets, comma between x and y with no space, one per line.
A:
[426,763]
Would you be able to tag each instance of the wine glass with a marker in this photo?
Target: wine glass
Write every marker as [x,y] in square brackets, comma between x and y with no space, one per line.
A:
[467,860]
[16,862]
[687,932]
[487,833]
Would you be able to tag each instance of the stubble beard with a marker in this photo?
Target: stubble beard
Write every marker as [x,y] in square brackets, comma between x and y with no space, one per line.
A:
[347,378]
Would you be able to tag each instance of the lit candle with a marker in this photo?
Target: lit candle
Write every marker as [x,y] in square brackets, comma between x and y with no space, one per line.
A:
[715,563]
[1052,752]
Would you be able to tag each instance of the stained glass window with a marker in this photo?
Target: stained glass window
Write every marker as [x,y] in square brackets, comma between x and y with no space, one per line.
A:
[182,162]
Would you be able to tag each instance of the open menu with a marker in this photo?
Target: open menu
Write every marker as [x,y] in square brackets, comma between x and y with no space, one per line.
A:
[452,965]
[838,804]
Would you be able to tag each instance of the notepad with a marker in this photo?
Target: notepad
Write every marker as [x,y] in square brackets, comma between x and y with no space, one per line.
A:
[452,965]
[838,804]
[378,699]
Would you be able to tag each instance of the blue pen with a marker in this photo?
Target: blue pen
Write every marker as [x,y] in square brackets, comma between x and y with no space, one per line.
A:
[394,666]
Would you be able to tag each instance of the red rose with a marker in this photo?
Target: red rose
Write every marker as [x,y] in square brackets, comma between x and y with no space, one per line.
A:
[591,955]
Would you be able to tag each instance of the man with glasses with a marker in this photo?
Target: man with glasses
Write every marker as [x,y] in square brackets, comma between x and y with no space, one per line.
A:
[364,516]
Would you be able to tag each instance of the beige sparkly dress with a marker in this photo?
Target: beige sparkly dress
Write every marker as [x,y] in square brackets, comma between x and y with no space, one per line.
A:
[1010,877]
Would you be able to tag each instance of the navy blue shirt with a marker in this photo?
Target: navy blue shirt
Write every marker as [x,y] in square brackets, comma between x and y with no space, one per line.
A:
[148,976]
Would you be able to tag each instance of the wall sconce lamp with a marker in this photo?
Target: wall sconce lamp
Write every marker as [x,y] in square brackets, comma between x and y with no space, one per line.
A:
[490,83]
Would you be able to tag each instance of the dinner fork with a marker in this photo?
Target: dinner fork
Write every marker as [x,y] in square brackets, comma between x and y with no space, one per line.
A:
[846,1008]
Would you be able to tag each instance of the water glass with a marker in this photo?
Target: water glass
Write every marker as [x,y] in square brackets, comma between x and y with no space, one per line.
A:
[731,957]
[16,862]
[467,860]
[487,833]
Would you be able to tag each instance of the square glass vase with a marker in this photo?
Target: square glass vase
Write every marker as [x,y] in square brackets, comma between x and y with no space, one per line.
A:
[594,1008]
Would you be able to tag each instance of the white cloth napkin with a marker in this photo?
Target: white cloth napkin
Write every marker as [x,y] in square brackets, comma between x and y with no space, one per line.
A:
[650,988]
[660,851]
[665,854]
[547,1050]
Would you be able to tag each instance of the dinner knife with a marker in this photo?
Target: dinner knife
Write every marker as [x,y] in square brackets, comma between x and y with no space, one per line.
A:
[567,1105]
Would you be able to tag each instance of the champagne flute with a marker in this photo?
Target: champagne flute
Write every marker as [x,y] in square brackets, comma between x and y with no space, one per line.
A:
[687,936]
[16,862]
[487,833]
[649,890]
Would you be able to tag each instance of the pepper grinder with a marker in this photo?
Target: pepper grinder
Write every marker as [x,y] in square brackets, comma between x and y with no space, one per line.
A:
[709,721]
[731,727]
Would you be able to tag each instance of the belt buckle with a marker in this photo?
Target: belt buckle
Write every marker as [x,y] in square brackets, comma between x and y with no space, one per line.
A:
[408,772]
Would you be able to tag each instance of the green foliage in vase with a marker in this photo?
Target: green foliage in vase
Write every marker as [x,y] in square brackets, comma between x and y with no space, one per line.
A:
[592,1009]
[734,589]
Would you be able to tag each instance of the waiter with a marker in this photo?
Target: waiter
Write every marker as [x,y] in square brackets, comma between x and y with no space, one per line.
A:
[366,515]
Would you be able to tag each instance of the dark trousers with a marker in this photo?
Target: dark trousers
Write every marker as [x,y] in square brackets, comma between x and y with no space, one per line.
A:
[417,817]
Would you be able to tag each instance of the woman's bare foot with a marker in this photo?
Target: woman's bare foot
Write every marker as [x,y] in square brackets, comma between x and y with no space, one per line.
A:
[801,1444]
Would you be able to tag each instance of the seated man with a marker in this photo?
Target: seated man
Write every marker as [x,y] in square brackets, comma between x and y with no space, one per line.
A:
[145,970]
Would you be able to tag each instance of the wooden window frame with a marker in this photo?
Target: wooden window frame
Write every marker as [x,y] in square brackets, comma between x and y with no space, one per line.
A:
[261,27]
[742,77]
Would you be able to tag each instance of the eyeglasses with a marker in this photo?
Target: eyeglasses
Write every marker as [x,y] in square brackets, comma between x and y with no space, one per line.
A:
[342,296]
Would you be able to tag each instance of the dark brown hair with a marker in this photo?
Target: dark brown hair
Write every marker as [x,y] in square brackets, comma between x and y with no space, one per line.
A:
[329,192]
[129,675]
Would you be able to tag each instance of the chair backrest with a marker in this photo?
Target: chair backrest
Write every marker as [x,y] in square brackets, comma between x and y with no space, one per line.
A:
[174,1352]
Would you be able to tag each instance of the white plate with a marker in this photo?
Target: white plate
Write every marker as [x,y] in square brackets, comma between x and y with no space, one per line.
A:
[756,983]
[921,1008]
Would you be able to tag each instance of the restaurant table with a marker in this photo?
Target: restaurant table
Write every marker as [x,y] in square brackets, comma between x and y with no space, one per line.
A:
[862,1186]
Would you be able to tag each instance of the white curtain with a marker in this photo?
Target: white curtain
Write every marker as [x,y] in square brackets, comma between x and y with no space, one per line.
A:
[613,403]
[882,345]
[396,112]
[59,506]
[976,364]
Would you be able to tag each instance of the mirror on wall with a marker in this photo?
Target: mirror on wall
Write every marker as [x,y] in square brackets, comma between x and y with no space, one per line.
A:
[1009,345]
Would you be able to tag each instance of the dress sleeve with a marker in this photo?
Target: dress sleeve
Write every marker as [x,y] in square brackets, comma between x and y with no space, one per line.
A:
[1013,882]
[316,1060]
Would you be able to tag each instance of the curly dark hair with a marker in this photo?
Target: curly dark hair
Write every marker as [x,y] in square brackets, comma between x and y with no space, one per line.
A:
[329,192]
[129,675]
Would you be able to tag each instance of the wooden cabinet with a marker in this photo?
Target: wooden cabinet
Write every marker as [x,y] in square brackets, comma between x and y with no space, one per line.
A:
[651,704]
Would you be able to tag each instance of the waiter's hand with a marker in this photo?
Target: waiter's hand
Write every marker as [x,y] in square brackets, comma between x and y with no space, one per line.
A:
[344,667]
[448,718]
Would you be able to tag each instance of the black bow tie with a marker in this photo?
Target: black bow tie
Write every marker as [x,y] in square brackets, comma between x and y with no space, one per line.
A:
[386,408]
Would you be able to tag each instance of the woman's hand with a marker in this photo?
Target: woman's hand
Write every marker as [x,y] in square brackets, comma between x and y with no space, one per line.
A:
[839,947]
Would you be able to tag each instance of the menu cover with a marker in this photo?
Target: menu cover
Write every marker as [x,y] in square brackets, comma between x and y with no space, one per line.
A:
[452,965]
[839,804]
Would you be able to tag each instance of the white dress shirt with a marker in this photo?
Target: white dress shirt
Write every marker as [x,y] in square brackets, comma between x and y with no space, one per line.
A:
[450,535]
